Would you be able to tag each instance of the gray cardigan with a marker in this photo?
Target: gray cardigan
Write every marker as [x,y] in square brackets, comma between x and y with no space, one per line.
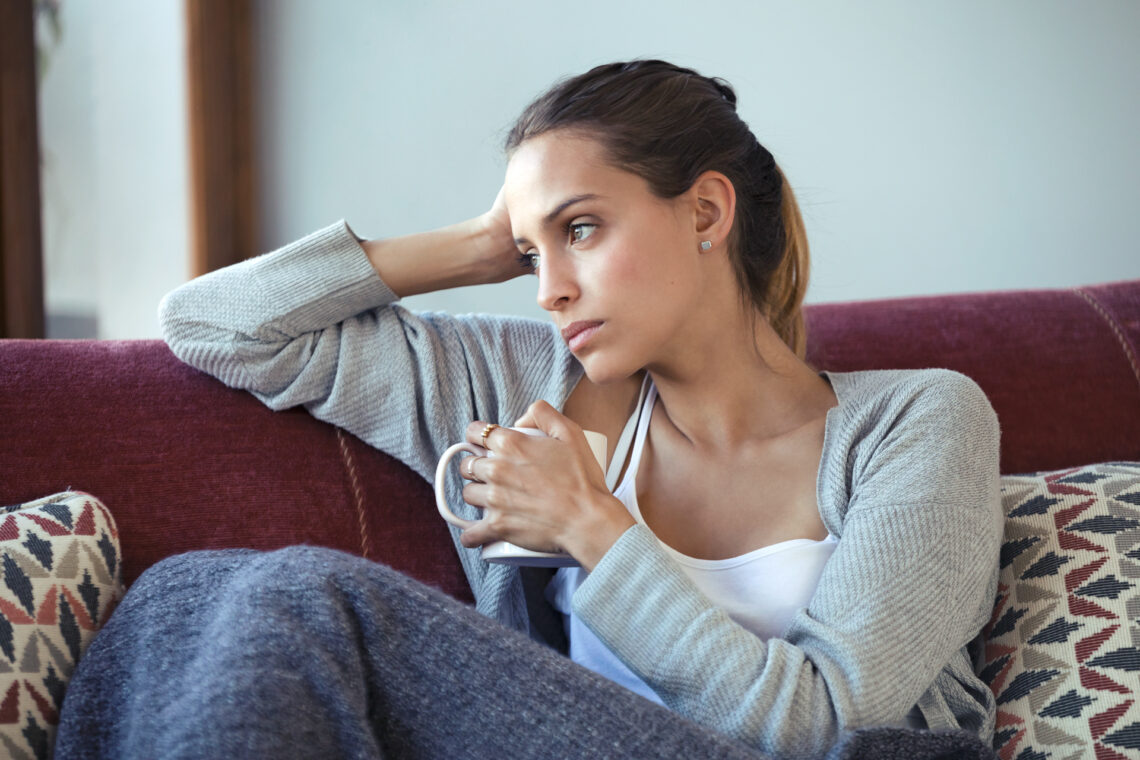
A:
[908,482]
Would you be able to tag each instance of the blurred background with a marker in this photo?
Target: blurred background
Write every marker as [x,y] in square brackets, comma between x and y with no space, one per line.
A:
[934,147]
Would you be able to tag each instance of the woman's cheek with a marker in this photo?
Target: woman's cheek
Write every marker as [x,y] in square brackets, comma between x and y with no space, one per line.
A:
[624,268]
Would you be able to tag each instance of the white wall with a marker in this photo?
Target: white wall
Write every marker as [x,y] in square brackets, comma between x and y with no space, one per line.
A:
[115,174]
[958,146]
[934,147]
[67,165]
[142,162]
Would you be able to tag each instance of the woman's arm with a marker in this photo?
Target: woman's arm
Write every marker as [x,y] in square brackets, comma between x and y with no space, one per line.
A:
[313,325]
[474,252]
[910,584]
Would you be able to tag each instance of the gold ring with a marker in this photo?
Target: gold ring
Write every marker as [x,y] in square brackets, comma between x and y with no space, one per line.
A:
[486,432]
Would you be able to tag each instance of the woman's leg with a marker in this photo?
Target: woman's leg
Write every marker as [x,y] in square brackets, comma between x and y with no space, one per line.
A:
[309,652]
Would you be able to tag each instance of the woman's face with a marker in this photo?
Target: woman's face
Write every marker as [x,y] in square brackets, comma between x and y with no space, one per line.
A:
[617,266]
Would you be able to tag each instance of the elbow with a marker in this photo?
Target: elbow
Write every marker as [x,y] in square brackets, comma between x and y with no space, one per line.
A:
[168,315]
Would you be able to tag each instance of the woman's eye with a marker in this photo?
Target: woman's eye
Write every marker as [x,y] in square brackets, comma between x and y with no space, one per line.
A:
[580,231]
[530,259]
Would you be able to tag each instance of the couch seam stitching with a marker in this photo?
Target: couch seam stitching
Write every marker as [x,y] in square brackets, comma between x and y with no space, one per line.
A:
[1116,330]
[357,493]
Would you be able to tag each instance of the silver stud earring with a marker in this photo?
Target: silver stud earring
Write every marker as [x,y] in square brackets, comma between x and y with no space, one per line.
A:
[706,245]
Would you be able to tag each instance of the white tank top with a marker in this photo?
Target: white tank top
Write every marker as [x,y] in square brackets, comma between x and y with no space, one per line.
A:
[761,590]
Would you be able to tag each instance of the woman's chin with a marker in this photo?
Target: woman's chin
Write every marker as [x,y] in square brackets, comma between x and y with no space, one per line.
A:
[601,372]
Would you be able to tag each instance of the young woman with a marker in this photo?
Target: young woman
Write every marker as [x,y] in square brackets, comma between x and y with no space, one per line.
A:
[779,557]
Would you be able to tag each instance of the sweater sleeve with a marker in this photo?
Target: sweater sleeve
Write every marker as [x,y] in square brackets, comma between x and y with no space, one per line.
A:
[313,325]
[909,586]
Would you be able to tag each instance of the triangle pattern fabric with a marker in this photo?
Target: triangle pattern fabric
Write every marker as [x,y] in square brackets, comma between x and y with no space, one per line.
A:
[58,585]
[1062,650]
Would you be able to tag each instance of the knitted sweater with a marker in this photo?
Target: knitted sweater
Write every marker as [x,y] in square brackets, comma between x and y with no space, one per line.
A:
[908,482]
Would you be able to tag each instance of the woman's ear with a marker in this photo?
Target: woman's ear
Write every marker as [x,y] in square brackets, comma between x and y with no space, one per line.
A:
[714,203]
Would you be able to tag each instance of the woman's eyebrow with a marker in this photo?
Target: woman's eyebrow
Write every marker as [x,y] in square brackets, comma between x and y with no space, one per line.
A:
[550,217]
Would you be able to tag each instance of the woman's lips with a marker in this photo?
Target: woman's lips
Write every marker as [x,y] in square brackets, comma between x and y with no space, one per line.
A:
[577,334]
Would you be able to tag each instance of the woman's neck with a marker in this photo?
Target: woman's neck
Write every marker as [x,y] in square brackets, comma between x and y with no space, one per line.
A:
[738,383]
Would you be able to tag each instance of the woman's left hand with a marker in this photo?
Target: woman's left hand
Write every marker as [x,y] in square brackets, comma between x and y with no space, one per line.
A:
[542,493]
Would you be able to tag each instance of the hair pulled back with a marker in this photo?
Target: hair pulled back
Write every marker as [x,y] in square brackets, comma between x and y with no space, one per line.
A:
[668,125]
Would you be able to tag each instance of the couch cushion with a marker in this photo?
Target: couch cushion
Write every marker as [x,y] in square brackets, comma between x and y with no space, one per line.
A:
[61,569]
[1062,651]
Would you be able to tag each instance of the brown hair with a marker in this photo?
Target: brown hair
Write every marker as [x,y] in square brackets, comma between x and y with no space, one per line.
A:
[668,125]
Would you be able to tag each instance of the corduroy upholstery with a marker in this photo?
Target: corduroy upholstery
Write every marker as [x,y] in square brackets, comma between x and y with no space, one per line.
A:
[185,463]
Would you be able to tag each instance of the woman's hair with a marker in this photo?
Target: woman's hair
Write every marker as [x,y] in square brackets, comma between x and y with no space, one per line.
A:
[669,124]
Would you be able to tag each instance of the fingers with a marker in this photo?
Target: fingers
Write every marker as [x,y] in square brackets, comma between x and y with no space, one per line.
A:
[488,528]
[467,468]
[499,207]
[549,420]
[540,415]
[526,421]
[489,428]
[494,437]
[475,494]
[482,433]
[526,484]
[477,535]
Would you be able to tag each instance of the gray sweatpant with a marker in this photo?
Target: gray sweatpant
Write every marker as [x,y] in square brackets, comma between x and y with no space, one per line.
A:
[312,653]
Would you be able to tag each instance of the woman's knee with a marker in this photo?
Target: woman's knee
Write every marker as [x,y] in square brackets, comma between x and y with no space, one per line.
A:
[189,571]
[210,577]
[287,566]
[256,588]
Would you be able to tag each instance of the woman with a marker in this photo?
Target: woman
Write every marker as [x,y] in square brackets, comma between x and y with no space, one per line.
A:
[787,555]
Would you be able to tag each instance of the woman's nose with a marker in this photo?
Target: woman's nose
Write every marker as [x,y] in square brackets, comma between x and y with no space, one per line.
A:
[557,285]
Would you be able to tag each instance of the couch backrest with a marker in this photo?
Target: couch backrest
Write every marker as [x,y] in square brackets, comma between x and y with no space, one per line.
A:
[1061,367]
[184,462]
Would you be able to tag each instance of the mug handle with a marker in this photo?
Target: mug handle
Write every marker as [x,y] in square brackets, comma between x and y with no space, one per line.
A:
[441,478]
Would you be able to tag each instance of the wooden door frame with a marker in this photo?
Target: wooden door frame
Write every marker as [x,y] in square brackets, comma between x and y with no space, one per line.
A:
[21,237]
[219,64]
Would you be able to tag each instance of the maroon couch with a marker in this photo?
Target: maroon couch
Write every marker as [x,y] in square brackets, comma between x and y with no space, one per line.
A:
[185,463]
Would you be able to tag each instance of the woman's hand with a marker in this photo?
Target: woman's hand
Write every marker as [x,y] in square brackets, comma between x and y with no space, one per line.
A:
[542,493]
[500,254]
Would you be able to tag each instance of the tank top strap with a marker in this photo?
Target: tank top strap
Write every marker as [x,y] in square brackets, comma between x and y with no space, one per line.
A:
[621,449]
[645,413]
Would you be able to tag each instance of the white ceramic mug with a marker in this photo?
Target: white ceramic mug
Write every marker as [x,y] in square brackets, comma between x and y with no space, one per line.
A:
[502,551]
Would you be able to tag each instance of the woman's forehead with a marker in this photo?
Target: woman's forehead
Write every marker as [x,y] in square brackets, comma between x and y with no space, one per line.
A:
[546,158]
[546,170]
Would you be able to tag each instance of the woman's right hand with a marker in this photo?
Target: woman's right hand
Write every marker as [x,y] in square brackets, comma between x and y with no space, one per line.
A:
[500,252]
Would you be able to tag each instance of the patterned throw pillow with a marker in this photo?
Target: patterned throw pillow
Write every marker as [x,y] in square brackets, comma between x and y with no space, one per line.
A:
[1062,652]
[61,577]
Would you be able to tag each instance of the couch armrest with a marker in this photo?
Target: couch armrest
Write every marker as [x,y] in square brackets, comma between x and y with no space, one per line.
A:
[185,463]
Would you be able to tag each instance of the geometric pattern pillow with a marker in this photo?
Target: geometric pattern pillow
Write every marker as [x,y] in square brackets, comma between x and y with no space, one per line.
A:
[60,578]
[1062,650]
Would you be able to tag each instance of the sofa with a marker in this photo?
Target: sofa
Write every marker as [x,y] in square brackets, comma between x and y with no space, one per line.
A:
[176,461]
